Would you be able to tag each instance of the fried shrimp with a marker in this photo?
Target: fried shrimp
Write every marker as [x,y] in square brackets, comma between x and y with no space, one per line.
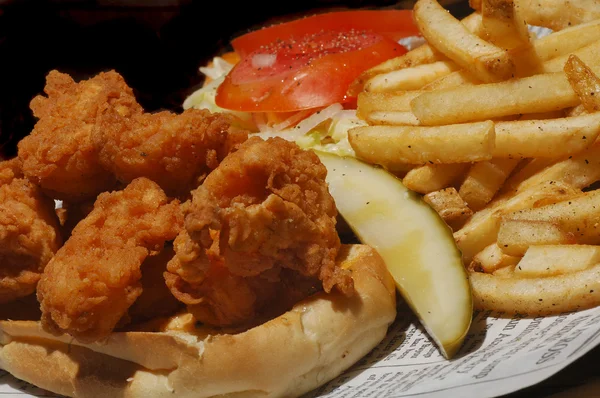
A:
[29,233]
[94,278]
[59,155]
[175,150]
[260,220]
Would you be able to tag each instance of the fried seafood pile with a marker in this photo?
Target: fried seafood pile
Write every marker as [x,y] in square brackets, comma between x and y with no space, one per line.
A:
[160,212]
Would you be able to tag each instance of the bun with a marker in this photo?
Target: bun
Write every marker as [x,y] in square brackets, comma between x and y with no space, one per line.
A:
[315,341]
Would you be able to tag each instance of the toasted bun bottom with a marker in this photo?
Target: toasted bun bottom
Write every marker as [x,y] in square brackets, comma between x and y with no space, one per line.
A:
[290,355]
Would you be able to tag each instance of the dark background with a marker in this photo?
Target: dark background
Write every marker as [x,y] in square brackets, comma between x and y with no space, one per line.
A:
[157,45]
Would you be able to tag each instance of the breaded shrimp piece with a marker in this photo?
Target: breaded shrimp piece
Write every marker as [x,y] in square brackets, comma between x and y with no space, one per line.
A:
[265,209]
[29,233]
[58,155]
[95,277]
[175,150]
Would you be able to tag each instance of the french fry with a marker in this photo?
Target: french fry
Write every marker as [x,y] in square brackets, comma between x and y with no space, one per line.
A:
[491,259]
[502,24]
[410,78]
[588,54]
[384,102]
[393,118]
[578,216]
[550,260]
[489,101]
[585,83]
[532,60]
[554,14]
[516,236]
[484,179]
[391,145]
[537,296]
[421,55]
[505,272]
[449,205]
[559,14]
[433,177]
[484,60]
[454,79]
[399,101]
[578,171]
[576,111]
[481,229]
[554,138]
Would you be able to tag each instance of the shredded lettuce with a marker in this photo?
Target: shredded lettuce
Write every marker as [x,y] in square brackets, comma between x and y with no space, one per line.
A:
[335,138]
[204,98]
[329,136]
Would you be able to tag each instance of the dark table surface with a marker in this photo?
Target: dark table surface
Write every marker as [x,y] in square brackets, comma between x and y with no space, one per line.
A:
[158,45]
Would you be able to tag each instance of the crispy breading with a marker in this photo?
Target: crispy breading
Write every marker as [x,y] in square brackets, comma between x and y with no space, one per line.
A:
[95,277]
[59,155]
[265,209]
[175,150]
[29,232]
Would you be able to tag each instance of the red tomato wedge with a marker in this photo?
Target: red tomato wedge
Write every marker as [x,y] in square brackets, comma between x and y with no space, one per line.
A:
[310,62]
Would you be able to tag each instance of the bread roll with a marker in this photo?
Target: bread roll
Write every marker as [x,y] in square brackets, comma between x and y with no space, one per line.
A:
[309,345]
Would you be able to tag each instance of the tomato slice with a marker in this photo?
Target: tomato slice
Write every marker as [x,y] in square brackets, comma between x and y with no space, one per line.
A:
[310,62]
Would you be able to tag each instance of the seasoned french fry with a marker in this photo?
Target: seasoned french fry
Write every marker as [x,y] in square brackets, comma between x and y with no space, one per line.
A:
[393,118]
[554,138]
[578,171]
[505,272]
[554,14]
[421,55]
[391,145]
[489,101]
[449,205]
[589,54]
[481,230]
[578,216]
[484,179]
[433,177]
[491,259]
[559,14]
[384,102]
[585,83]
[484,60]
[516,236]
[412,78]
[550,260]
[502,24]
[532,60]
[537,296]
[525,170]
[454,79]
[576,111]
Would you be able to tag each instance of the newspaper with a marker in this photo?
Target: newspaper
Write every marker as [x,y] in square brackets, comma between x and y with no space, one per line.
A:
[500,355]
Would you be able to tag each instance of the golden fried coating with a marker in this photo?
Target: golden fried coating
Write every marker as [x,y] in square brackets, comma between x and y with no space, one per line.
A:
[265,209]
[175,151]
[95,277]
[59,155]
[29,233]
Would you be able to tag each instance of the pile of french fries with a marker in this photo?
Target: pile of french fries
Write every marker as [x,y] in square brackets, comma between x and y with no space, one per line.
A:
[498,129]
